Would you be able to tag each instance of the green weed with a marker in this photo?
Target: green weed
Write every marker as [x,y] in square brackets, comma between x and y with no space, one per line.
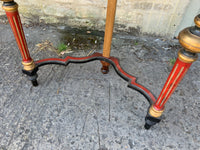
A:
[61,47]
[136,43]
[172,61]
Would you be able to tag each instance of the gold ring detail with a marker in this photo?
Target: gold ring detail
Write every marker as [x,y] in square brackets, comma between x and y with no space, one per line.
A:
[155,113]
[11,8]
[28,66]
[185,58]
[189,41]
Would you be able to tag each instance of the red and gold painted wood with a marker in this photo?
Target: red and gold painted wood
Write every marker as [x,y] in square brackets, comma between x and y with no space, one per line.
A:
[189,38]
[110,19]
[179,70]
[11,9]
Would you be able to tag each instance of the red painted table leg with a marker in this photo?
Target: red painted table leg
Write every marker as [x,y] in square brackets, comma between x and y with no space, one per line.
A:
[189,38]
[180,68]
[11,9]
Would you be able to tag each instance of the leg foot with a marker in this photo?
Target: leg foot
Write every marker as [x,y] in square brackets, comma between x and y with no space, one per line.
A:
[150,121]
[33,79]
[34,83]
[105,69]
[32,76]
[147,126]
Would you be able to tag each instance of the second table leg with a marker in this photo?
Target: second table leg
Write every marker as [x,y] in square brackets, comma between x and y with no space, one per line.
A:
[110,18]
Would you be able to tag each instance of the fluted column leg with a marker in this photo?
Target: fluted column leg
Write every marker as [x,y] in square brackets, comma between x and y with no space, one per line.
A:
[189,38]
[11,9]
[181,66]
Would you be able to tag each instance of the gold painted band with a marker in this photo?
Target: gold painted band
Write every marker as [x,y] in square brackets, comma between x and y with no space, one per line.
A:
[28,66]
[185,58]
[155,113]
[10,8]
[189,41]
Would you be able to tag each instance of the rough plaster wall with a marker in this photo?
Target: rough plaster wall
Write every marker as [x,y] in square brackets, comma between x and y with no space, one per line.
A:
[188,18]
[159,17]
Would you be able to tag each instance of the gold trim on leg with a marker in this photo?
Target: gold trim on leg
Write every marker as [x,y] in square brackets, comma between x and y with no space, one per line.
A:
[28,66]
[12,8]
[155,113]
[185,58]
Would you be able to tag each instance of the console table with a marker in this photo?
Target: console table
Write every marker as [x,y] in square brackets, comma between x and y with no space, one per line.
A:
[189,38]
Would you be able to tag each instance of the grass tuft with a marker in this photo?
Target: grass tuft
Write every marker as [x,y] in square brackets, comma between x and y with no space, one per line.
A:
[62,47]
[136,43]
[172,61]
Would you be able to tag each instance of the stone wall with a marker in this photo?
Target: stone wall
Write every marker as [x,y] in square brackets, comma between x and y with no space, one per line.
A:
[160,17]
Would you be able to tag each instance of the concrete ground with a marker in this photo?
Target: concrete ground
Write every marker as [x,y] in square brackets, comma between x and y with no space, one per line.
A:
[78,108]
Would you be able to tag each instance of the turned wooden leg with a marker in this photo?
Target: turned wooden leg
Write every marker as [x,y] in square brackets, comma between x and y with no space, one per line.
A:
[11,9]
[189,38]
[110,18]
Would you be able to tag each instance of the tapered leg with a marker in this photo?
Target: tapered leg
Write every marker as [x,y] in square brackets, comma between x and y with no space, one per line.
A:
[11,9]
[110,18]
[189,38]
[180,68]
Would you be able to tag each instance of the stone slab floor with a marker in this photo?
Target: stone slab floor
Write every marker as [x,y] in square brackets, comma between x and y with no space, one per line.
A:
[78,108]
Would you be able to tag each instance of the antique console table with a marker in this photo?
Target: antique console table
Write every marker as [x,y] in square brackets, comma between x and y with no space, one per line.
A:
[189,38]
